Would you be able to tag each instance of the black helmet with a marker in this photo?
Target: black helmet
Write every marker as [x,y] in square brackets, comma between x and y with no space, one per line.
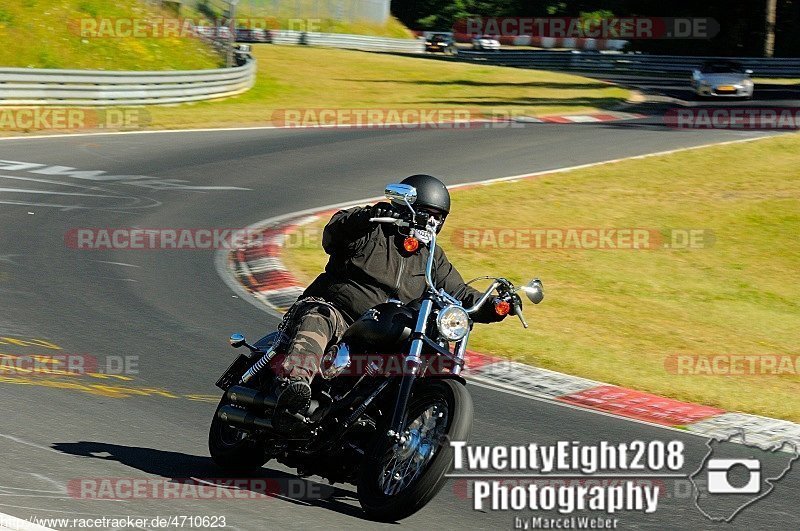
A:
[431,193]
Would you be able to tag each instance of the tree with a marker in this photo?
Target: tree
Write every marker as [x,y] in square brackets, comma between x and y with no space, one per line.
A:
[769,39]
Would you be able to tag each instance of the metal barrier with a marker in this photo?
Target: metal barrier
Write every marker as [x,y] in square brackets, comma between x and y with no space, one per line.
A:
[623,63]
[341,40]
[28,86]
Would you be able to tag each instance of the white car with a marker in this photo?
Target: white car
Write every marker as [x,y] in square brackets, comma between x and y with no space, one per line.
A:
[484,43]
[722,79]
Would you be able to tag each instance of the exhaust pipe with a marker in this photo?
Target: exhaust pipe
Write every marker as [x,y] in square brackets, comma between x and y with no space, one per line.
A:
[234,415]
[250,398]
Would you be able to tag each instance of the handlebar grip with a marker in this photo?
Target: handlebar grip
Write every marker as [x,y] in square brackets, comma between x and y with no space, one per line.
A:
[393,221]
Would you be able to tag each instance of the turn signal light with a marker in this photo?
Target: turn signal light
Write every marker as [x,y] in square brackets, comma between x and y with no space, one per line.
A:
[502,307]
[411,244]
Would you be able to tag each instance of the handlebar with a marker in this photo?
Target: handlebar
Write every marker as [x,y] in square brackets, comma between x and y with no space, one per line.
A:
[480,302]
[507,291]
[518,312]
[509,294]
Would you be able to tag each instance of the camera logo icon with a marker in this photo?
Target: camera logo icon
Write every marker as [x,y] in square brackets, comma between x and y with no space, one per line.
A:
[719,482]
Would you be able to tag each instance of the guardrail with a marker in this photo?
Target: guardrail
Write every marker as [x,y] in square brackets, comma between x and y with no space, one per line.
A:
[622,63]
[28,86]
[341,40]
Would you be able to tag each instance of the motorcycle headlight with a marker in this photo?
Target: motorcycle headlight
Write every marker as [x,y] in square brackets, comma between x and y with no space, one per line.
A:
[453,322]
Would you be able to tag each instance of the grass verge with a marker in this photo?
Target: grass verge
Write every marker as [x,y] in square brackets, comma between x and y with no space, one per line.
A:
[46,34]
[620,316]
[299,77]
[776,81]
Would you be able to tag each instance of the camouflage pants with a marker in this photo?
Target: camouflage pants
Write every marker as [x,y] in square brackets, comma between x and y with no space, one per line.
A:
[317,326]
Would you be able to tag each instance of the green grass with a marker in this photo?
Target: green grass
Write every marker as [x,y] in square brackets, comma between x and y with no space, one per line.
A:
[617,315]
[776,81]
[46,34]
[299,77]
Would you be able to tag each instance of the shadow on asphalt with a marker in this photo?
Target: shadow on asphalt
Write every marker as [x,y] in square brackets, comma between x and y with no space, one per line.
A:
[179,467]
[578,85]
[601,103]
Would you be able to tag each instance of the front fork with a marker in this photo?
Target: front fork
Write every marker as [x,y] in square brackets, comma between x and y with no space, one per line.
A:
[411,368]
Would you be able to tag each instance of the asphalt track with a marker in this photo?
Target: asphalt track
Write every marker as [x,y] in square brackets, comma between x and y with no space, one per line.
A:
[172,311]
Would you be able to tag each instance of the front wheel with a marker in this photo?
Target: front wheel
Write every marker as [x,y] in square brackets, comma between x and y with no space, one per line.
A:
[398,479]
[230,448]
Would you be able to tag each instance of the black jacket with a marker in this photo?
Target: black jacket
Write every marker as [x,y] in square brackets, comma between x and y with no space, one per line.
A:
[368,265]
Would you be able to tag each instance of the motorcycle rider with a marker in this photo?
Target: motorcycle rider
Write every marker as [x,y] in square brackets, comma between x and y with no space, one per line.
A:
[368,265]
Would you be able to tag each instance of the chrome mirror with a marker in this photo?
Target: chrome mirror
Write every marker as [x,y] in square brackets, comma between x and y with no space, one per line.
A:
[237,340]
[534,291]
[401,193]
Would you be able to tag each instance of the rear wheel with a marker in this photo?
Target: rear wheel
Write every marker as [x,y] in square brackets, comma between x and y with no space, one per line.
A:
[398,479]
[230,448]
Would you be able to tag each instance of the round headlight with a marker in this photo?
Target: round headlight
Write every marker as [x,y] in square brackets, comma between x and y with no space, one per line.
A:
[453,322]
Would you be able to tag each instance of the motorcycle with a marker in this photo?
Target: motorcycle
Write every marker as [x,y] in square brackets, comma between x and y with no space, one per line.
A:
[386,430]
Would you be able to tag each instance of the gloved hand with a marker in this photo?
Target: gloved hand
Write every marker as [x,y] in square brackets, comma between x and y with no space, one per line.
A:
[359,222]
[384,210]
[487,313]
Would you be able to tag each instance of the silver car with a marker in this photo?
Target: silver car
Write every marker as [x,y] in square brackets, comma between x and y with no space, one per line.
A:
[485,43]
[722,79]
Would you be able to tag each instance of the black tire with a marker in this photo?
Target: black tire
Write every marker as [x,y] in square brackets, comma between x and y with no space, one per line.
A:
[232,455]
[420,491]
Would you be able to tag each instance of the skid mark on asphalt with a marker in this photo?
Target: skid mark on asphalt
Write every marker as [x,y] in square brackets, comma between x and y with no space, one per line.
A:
[121,201]
[60,486]
[115,263]
[28,443]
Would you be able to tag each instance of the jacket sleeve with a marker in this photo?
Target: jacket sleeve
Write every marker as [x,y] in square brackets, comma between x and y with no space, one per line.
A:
[450,279]
[346,229]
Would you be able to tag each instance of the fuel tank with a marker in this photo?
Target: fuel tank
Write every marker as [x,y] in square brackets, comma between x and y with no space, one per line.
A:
[381,329]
